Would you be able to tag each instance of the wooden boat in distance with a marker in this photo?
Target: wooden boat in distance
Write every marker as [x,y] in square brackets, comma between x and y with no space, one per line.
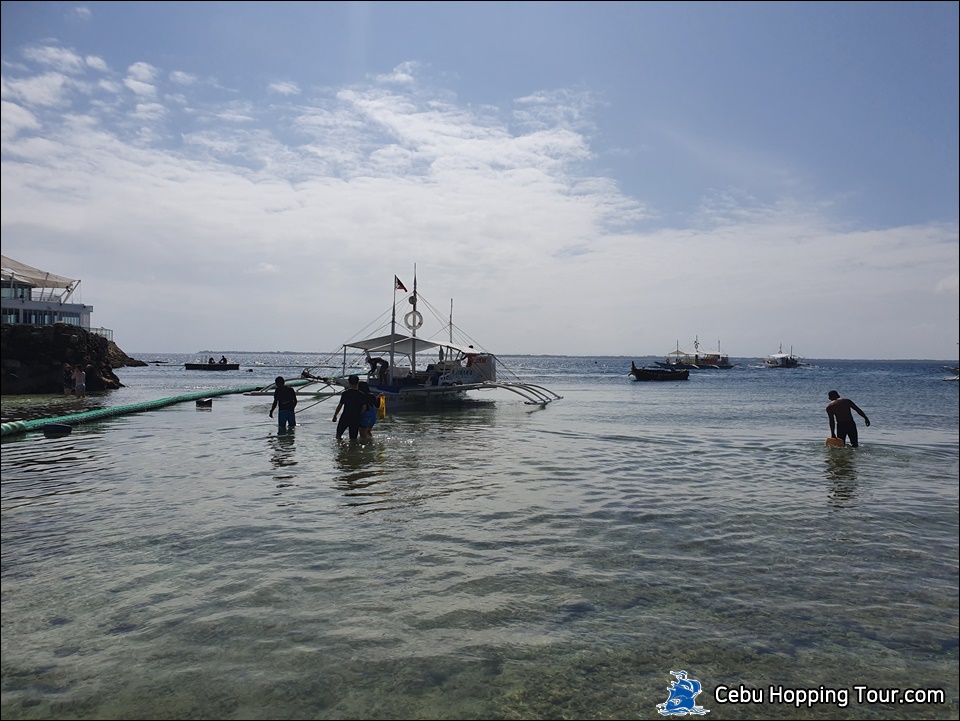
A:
[782,360]
[658,374]
[212,366]
[709,359]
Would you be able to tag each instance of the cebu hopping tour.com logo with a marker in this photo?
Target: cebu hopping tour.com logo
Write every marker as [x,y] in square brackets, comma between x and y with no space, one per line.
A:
[682,699]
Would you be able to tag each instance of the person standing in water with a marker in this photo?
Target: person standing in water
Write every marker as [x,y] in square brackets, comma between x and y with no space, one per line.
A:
[286,398]
[353,403]
[79,382]
[842,425]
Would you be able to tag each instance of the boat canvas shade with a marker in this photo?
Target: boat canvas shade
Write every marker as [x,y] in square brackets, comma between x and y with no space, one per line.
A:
[404,345]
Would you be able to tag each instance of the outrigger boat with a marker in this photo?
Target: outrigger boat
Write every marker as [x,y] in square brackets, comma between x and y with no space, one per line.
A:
[680,359]
[709,359]
[410,371]
[782,360]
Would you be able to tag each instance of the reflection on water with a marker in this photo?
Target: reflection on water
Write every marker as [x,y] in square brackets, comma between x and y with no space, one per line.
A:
[841,472]
[283,449]
[283,459]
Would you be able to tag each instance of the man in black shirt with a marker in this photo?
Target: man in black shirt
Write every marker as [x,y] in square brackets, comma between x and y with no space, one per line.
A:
[353,403]
[285,397]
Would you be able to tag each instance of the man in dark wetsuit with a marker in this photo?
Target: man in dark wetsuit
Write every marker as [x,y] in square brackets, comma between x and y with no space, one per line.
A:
[286,398]
[842,424]
[353,403]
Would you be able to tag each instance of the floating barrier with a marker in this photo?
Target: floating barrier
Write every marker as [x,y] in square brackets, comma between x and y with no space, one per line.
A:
[15,427]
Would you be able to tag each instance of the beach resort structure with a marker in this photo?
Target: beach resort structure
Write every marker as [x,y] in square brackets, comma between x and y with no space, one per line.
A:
[30,296]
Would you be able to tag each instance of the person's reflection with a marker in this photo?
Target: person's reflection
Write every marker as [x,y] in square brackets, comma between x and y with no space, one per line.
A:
[841,471]
[360,468]
[283,449]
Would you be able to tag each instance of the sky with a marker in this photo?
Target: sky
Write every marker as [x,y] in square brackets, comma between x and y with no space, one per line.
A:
[599,178]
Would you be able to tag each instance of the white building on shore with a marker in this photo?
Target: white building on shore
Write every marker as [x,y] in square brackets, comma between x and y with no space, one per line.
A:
[30,296]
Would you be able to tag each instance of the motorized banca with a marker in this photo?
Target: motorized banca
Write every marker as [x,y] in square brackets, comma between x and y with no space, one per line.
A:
[411,370]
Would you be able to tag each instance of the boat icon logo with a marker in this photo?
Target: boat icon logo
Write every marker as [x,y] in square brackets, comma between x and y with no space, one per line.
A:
[682,699]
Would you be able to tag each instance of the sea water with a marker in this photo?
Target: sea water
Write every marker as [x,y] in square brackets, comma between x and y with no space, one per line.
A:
[498,560]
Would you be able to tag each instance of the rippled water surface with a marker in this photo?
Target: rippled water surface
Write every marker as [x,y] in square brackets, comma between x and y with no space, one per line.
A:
[496,561]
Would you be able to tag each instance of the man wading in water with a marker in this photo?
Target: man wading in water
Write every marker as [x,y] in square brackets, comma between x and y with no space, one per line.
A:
[842,424]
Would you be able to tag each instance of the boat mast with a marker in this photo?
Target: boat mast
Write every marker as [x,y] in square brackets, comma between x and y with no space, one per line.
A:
[451,320]
[413,325]
[393,326]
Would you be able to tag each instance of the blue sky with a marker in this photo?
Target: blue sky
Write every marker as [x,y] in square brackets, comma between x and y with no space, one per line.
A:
[579,178]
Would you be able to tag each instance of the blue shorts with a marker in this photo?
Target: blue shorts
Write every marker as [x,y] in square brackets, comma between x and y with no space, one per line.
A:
[286,419]
[368,419]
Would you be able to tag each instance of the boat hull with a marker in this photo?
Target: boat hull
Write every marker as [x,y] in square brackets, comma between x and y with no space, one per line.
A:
[416,398]
[212,366]
[659,374]
[782,362]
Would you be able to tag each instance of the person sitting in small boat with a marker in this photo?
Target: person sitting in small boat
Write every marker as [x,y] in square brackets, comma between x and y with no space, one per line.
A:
[223,359]
[211,361]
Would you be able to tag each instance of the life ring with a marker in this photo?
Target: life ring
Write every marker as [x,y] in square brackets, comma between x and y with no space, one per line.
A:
[413,319]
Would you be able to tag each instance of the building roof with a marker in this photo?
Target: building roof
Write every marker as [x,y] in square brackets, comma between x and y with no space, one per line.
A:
[23,273]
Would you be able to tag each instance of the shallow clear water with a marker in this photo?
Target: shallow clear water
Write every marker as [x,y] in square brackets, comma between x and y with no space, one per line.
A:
[499,561]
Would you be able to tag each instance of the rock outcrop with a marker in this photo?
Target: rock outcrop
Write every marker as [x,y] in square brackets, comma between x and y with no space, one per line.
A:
[36,358]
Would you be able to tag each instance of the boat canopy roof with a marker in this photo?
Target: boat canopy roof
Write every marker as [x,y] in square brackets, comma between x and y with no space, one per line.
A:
[405,345]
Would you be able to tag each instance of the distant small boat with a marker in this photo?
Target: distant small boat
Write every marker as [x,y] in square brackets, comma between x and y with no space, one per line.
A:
[658,374]
[212,366]
[782,360]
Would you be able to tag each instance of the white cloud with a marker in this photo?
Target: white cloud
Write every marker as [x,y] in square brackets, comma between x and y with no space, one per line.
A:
[139,80]
[181,78]
[143,72]
[140,88]
[61,59]
[403,74]
[284,88]
[96,63]
[40,90]
[13,119]
[149,111]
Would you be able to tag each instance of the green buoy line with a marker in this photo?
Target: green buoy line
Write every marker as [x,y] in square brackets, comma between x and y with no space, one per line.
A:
[15,427]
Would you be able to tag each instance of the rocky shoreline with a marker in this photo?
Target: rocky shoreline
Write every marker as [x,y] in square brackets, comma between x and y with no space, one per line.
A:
[34,359]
